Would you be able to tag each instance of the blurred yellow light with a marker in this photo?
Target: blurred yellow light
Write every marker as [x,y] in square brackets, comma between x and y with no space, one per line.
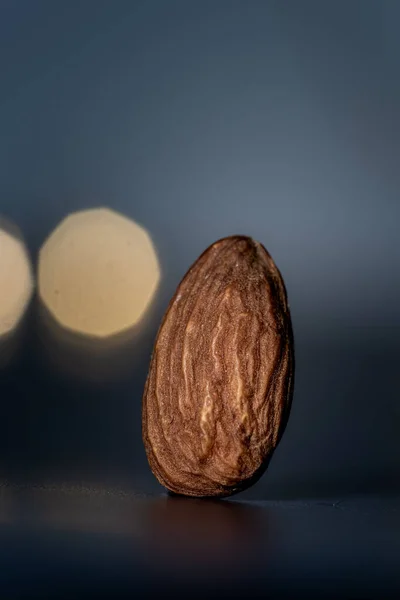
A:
[98,272]
[16,282]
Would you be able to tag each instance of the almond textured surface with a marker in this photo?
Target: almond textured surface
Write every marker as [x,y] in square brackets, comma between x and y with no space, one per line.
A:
[220,383]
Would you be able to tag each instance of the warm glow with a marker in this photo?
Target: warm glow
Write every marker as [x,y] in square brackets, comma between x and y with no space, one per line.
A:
[98,272]
[16,283]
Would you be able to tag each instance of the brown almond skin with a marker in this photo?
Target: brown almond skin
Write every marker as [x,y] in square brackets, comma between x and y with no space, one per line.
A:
[220,383]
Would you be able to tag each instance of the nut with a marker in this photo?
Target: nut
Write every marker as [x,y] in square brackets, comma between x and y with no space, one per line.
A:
[220,383]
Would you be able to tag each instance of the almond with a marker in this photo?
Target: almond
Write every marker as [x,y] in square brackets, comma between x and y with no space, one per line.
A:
[220,383]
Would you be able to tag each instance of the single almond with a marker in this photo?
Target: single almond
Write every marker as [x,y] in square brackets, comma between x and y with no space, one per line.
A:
[220,383]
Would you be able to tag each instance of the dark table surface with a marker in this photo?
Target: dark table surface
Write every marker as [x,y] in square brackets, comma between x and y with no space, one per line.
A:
[72,541]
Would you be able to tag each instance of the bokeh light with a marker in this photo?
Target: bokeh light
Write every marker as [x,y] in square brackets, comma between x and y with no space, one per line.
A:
[98,272]
[16,280]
